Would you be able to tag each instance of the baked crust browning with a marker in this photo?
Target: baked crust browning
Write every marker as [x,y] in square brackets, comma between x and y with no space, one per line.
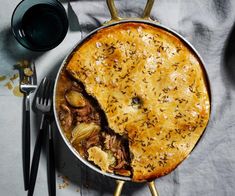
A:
[152,89]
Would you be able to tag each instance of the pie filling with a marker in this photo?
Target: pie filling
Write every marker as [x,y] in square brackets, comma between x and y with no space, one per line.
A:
[133,100]
[85,126]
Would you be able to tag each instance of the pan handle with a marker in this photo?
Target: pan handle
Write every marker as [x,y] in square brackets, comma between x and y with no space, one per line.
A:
[114,13]
[118,189]
[153,189]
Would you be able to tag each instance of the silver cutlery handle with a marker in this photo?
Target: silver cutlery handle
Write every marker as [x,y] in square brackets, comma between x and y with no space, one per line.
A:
[26,140]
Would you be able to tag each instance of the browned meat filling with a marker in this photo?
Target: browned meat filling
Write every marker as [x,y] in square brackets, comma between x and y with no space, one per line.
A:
[82,124]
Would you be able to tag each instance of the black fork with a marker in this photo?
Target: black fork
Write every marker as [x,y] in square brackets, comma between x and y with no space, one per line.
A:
[43,105]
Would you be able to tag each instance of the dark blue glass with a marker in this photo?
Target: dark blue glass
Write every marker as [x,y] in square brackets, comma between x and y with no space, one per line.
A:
[39,25]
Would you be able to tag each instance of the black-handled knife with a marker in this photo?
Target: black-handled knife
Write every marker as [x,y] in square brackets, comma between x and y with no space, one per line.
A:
[26,146]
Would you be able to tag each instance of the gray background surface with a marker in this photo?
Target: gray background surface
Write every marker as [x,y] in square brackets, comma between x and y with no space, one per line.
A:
[209,171]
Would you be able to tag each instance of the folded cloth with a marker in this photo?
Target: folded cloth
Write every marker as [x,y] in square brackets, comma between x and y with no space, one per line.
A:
[208,25]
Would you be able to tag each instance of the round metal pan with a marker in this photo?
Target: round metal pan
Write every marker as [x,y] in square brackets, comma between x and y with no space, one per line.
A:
[115,19]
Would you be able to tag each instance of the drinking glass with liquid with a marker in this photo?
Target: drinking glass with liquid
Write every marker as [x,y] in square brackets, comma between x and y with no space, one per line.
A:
[39,25]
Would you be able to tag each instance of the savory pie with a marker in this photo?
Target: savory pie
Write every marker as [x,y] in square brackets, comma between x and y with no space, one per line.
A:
[147,87]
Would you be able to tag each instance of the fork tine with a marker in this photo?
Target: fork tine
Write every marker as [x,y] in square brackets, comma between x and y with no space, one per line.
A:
[34,77]
[40,91]
[21,74]
[51,89]
[48,91]
[45,91]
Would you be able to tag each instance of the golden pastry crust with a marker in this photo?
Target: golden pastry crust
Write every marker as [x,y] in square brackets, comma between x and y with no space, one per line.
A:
[152,89]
